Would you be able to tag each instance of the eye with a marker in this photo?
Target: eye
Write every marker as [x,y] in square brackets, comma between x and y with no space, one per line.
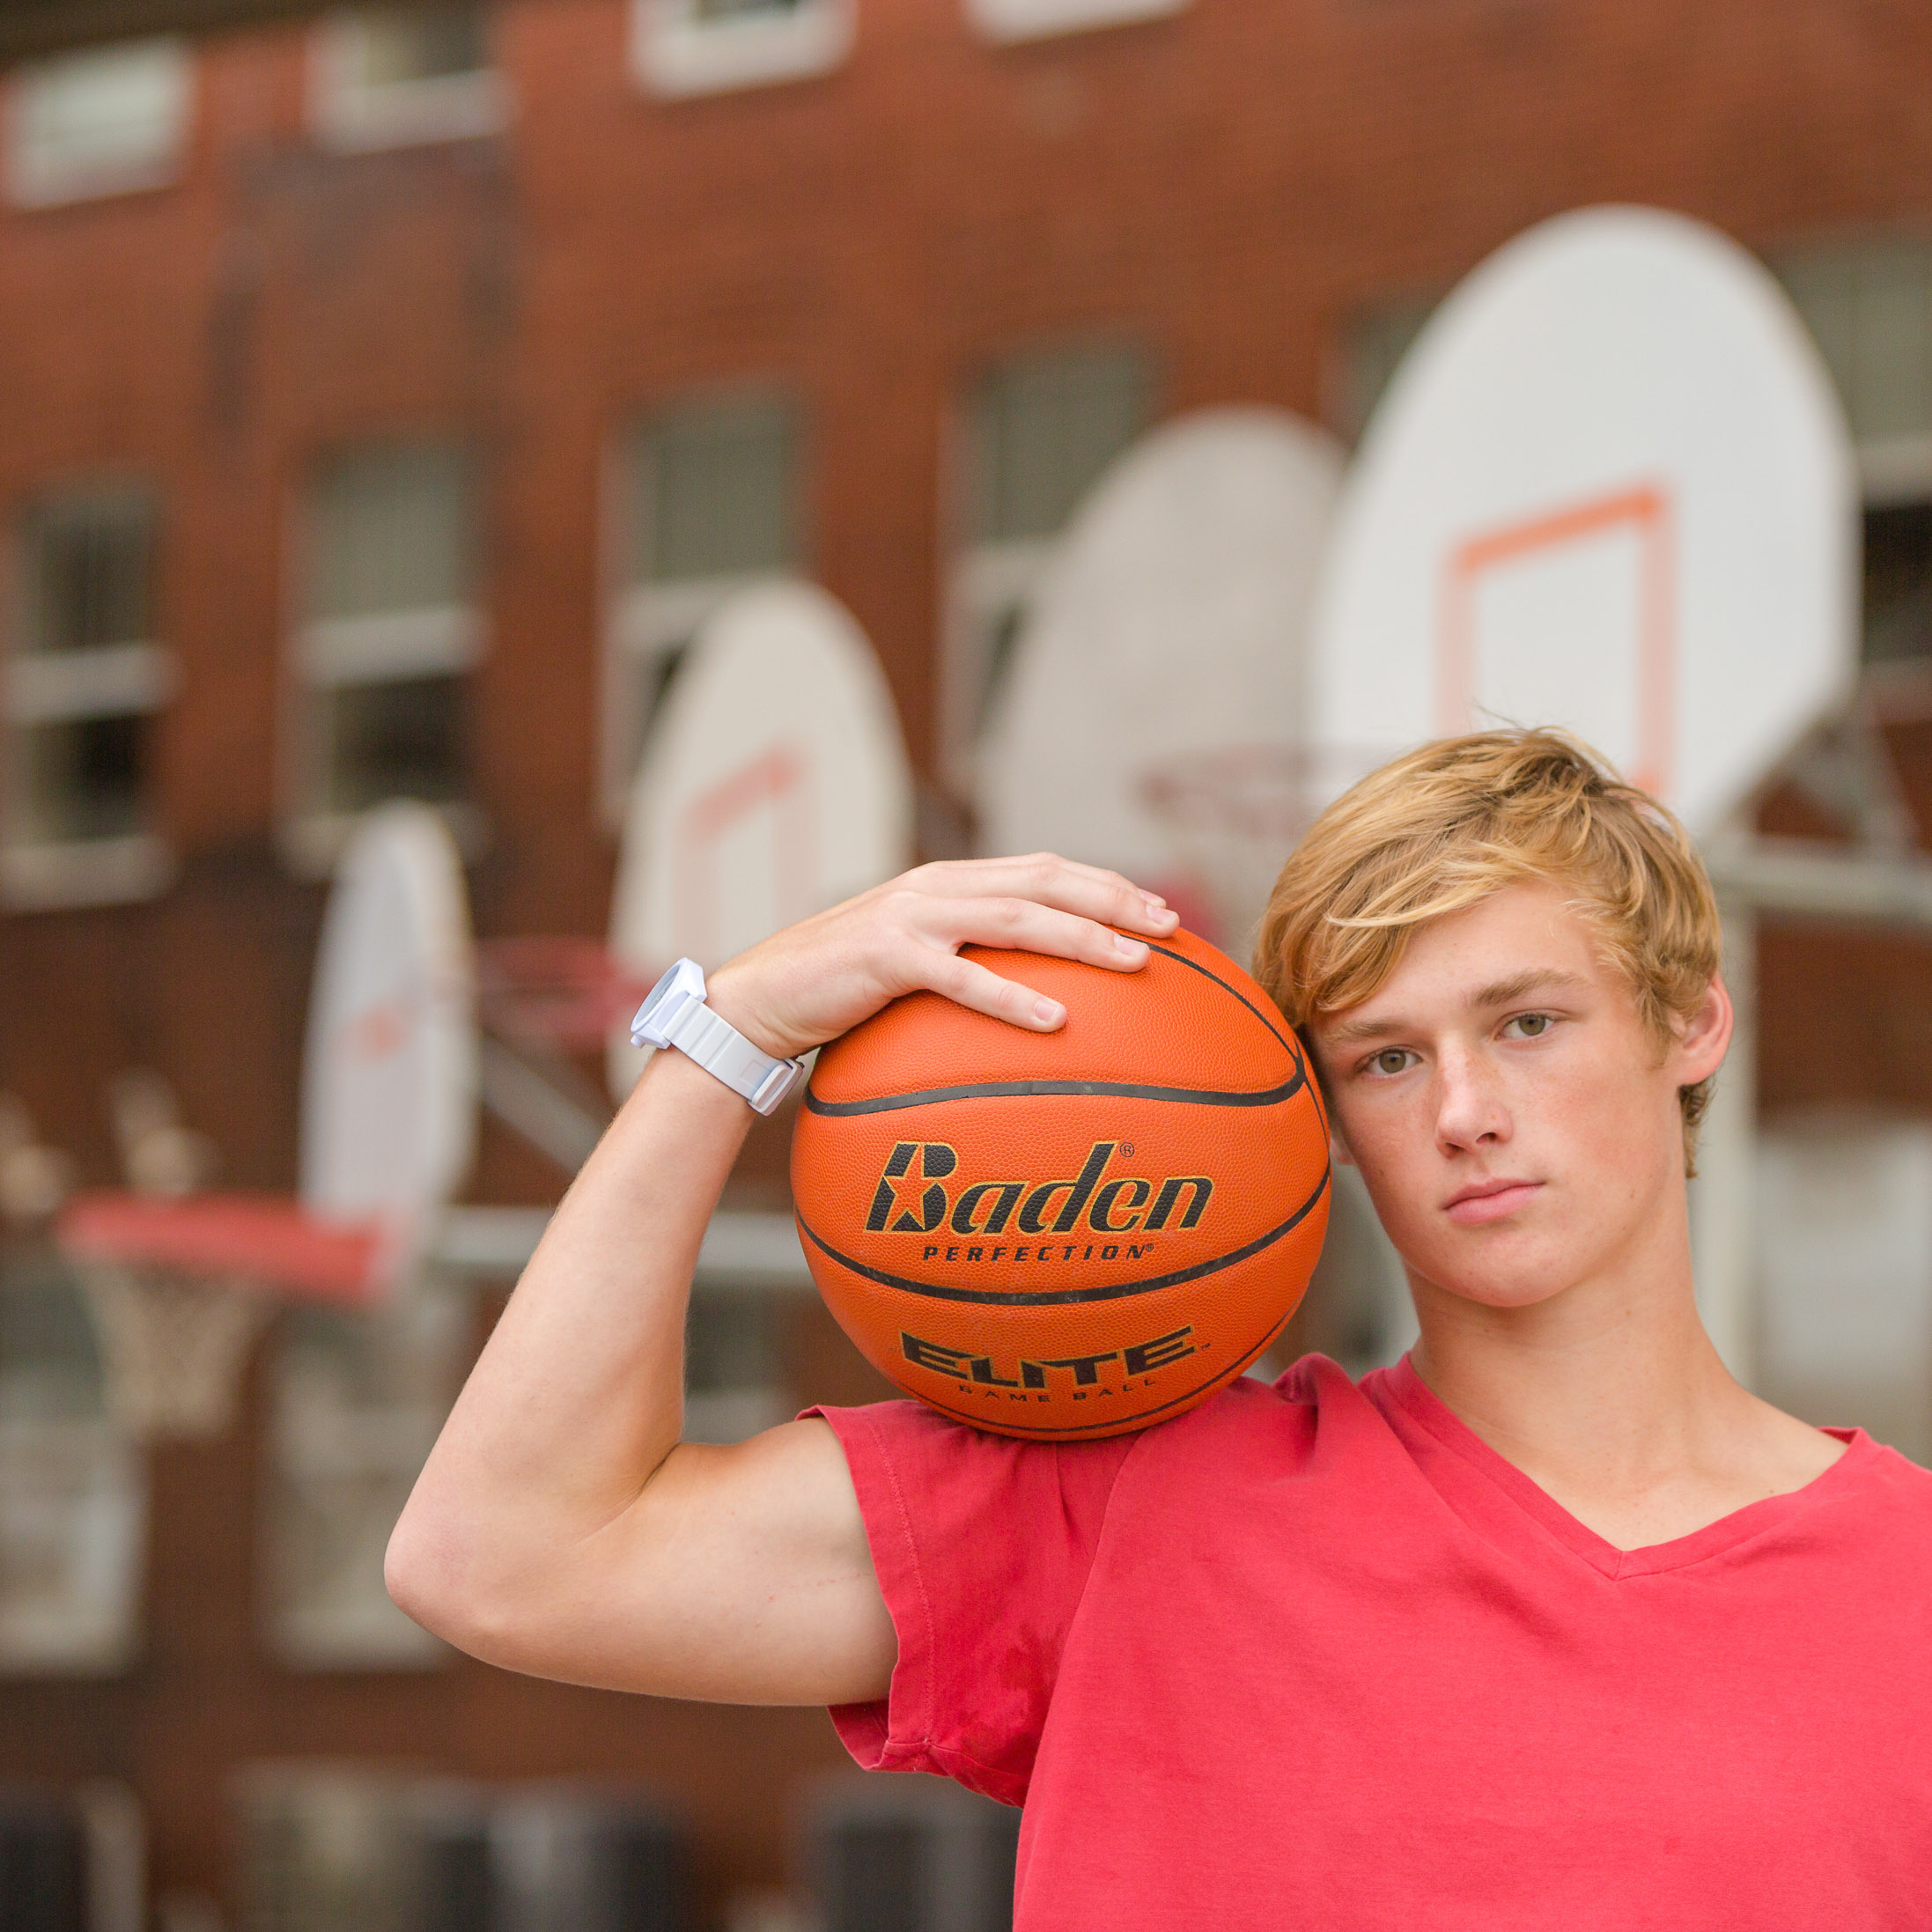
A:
[1530,1026]
[1391,1060]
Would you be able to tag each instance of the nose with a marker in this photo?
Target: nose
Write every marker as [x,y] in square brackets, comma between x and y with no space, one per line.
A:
[1470,1110]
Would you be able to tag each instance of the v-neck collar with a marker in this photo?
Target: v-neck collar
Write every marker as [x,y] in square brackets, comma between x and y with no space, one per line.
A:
[1420,1403]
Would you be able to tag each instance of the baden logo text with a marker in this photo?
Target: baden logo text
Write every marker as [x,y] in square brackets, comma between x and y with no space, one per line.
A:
[916,1195]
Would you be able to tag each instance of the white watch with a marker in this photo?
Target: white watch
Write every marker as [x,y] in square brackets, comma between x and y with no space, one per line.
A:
[674,1014]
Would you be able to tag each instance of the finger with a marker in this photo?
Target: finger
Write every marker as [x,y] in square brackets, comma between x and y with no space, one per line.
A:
[1026,925]
[1091,891]
[970,874]
[967,983]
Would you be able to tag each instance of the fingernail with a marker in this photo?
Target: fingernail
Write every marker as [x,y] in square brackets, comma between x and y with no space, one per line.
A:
[1133,948]
[1049,1012]
[1155,900]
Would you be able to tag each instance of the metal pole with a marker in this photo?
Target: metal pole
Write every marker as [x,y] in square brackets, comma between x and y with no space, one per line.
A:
[1804,879]
[1722,1204]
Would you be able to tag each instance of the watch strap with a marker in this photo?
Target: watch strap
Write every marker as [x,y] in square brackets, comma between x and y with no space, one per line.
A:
[725,1054]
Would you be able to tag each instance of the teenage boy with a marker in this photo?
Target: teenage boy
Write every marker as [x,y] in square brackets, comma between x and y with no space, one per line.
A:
[1552,1625]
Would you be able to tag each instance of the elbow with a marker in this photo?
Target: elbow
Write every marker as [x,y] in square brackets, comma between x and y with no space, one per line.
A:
[463,1583]
[431,1581]
[418,1578]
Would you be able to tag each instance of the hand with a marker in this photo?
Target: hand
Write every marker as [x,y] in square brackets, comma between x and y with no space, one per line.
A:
[819,978]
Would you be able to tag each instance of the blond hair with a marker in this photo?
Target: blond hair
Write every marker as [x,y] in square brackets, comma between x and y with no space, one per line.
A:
[1444,827]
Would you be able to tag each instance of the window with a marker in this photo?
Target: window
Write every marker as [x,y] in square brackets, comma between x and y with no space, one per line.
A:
[711,508]
[1035,19]
[85,678]
[383,662]
[1847,1189]
[1869,310]
[355,1402]
[103,121]
[391,77]
[73,1499]
[706,47]
[1038,432]
[1898,603]
[1868,307]
[1377,340]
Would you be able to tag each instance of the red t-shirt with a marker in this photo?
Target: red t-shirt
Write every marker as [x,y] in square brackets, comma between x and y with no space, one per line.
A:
[1316,1656]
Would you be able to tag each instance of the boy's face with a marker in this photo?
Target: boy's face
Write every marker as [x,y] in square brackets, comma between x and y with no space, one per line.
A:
[1517,1127]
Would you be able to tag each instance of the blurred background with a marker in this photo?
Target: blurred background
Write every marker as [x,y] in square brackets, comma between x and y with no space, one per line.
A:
[389,400]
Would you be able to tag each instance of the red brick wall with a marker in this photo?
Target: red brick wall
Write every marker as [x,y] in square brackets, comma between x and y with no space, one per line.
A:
[1230,185]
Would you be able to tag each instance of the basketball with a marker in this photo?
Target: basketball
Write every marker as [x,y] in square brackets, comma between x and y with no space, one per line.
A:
[1068,1234]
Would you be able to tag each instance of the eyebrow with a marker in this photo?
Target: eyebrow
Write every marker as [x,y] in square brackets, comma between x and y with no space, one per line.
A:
[1506,992]
[1501,993]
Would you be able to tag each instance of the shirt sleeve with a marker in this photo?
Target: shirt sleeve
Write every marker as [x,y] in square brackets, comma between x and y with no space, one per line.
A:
[983,1545]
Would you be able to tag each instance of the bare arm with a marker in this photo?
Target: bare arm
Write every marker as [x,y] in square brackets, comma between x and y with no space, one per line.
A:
[559,1526]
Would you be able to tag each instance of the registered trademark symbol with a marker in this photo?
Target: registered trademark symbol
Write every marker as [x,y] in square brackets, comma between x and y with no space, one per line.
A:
[1126,1147]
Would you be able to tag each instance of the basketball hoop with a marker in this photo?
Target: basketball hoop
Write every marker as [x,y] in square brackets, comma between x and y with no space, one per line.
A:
[1235,812]
[777,784]
[180,1281]
[178,1291]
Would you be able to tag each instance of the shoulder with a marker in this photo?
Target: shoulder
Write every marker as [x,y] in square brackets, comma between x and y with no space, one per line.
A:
[1891,1484]
[1870,1513]
[1312,1420]
[909,1459]
[1308,1413]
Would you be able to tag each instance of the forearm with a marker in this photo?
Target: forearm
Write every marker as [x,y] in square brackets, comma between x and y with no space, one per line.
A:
[557,1527]
[578,1397]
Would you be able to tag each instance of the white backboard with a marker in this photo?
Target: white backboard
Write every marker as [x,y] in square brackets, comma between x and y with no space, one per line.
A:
[389,1076]
[774,784]
[1171,622]
[1609,488]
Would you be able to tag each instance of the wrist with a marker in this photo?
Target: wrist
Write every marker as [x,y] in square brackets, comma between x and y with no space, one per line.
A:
[727,995]
[678,1011]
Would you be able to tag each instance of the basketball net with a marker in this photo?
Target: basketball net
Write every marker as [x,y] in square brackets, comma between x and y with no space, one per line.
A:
[1235,813]
[173,1348]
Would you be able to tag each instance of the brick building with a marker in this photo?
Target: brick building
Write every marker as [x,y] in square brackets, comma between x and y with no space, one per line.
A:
[386,400]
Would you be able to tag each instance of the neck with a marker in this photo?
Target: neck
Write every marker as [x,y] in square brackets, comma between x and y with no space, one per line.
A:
[1605,1388]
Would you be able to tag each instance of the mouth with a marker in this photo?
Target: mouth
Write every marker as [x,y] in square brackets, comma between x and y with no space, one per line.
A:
[1483,1201]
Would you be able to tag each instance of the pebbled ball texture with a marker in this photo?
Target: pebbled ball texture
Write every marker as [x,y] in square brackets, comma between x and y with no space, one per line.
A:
[1074,1234]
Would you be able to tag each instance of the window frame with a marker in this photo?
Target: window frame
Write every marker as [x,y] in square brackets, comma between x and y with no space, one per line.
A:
[354,116]
[1894,469]
[88,1470]
[326,655]
[33,181]
[73,1484]
[133,678]
[987,582]
[677,54]
[335,1452]
[1009,21]
[648,620]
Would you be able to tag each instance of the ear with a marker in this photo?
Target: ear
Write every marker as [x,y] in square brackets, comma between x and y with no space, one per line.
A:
[1704,1038]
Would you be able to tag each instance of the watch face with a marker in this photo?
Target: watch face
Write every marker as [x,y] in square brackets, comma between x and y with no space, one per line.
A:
[657,992]
[686,978]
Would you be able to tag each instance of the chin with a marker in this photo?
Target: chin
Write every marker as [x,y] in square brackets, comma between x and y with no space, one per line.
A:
[1513,1269]
[1492,1293]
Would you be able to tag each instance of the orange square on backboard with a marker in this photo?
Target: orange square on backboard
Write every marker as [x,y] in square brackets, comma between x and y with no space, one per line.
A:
[1645,512]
